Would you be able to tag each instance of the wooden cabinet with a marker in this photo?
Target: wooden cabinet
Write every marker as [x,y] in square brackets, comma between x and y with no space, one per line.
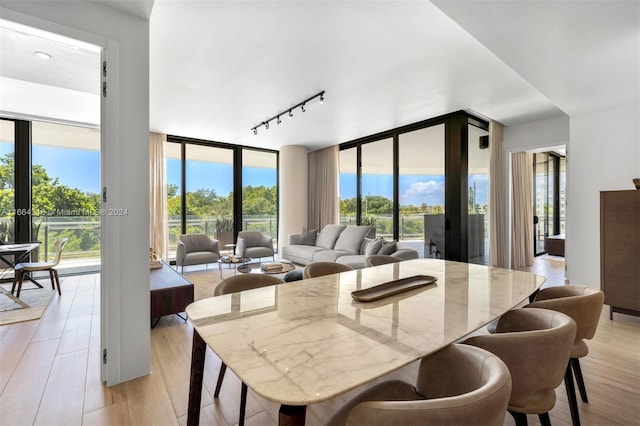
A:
[620,250]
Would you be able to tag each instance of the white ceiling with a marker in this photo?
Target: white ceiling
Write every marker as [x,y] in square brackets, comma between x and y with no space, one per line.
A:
[219,68]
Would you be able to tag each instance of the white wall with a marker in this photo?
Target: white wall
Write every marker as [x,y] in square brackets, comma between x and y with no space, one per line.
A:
[537,134]
[604,154]
[294,191]
[127,154]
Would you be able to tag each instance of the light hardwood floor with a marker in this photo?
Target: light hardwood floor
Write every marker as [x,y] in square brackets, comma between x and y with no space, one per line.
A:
[50,375]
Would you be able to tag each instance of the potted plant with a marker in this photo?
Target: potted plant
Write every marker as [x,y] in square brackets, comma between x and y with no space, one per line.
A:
[224,231]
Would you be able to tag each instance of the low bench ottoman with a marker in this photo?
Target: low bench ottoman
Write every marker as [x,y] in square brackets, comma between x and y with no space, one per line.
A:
[170,292]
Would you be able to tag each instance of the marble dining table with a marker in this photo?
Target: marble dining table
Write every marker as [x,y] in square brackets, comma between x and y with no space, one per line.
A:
[307,341]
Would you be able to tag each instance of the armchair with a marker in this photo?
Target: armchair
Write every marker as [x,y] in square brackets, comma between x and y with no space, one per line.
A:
[196,249]
[254,244]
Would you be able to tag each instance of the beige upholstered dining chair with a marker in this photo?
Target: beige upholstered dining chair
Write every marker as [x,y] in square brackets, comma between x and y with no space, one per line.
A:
[535,344]
[380,259]
[458,385]
[236,284]
[318,269]
[29,267]
[584,305]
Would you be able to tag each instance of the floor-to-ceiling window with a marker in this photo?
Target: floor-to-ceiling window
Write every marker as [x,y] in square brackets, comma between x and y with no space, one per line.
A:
[209,194]
[260,192]
[376,183]
[54,192]
[65,191]
[421,187]
[219,189]
[421,184]
[478,207]
[7,180]
[348,186]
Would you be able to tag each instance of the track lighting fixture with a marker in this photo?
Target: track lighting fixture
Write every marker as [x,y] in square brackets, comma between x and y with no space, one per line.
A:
[289,112]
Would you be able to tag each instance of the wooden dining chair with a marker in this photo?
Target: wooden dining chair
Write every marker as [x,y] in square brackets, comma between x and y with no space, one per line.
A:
[236,284]
[29,267]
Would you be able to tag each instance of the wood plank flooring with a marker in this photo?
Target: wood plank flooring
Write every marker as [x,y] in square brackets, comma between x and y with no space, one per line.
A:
[50,372]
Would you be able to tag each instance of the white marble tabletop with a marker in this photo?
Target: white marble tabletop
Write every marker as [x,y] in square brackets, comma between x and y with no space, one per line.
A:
[307,341]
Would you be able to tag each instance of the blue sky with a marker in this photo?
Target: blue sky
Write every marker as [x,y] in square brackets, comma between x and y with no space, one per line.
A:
[206,175]
[81,169]
[414,189]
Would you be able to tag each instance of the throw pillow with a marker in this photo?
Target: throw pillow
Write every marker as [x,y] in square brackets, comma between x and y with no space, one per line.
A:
[388,247]
[308,237]
[373,247]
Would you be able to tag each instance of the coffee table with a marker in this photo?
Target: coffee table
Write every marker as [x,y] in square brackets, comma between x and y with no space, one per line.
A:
[256,268]
[240,261]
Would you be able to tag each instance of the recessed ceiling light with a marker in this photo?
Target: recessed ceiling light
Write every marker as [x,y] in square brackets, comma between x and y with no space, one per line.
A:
[43,55]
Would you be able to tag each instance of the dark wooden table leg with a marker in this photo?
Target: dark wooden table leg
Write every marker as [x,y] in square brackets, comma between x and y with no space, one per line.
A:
[198,353]
[292,415]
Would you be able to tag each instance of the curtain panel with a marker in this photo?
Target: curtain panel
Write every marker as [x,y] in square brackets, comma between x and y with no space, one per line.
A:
[158,223]
[497,222]
[522,210]
[323,188]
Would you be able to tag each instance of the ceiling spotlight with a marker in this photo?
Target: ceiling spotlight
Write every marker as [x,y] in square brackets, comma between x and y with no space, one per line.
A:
[43,55]
[288,112]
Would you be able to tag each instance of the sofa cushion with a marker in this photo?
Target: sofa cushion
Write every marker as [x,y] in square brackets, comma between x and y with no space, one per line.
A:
[388,247]
[328,236]
[328,255]
[351,238]
[299,253]
[308,237]
[373,247]
[356,261]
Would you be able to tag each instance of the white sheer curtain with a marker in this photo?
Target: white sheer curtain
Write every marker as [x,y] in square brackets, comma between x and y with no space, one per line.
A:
[323,188]
[158,226]
[522,210]
[497,222]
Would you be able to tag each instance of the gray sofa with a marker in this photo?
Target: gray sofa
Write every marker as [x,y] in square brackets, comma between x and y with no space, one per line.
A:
[347,244]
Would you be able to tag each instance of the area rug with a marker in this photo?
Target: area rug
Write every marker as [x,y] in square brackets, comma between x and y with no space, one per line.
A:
[37,298]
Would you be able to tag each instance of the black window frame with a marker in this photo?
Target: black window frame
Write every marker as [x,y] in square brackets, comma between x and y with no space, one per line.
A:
[456,175]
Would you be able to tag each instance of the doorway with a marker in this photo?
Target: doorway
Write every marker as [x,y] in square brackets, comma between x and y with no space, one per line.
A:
[549,202]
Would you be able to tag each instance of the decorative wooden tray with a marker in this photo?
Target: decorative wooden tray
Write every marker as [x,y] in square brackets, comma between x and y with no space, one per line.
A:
[392,287]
